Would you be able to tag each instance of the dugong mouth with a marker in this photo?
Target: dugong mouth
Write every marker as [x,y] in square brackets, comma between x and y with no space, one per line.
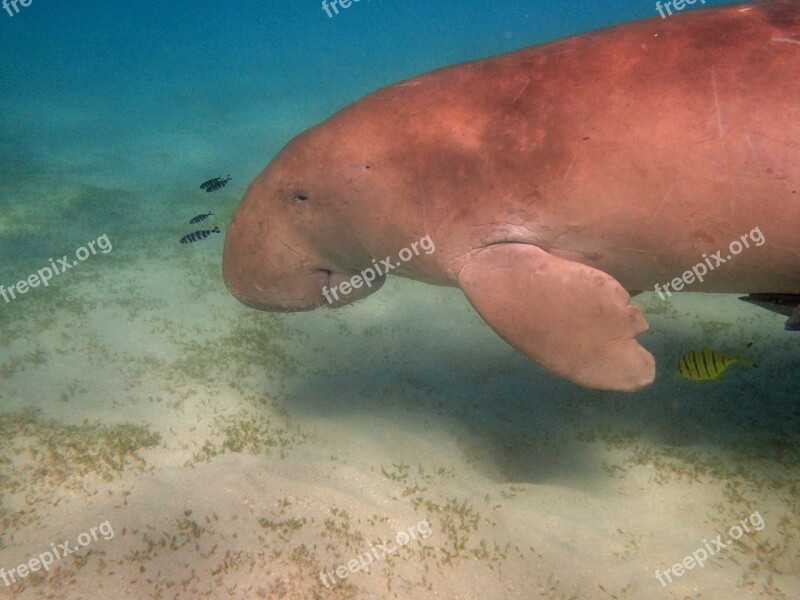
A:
[302,294]
[297,292]
[343,288]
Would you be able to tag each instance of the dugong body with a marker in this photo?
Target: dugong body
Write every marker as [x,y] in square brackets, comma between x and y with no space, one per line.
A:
[551,180]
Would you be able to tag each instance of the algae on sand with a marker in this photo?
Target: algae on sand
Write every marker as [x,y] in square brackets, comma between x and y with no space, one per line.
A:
[41,458]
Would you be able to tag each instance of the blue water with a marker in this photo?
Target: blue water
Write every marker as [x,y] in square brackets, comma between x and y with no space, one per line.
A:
[111,115]
[128,86]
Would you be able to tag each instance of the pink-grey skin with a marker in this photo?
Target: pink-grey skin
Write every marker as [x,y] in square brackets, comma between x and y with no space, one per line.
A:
[551,180]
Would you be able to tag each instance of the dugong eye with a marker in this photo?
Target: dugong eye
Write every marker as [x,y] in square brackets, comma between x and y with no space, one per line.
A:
[300,198]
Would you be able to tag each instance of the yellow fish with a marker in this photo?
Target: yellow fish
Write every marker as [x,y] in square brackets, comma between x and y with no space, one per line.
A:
[706,364]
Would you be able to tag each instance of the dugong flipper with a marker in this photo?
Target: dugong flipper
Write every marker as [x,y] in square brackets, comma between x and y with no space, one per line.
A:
[584,327]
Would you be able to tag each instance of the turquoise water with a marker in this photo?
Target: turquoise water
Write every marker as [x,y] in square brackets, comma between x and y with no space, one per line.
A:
[224,453]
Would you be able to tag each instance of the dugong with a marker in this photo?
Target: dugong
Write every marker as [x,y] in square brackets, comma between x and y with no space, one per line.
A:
[553,181]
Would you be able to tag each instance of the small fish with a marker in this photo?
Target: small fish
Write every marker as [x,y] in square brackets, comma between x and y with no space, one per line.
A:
[198,235]
[214,184]
[199,218]
[706,364]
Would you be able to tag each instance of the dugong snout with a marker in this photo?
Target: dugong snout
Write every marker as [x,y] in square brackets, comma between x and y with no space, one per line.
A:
[276,258]
[277,281]
[281,281]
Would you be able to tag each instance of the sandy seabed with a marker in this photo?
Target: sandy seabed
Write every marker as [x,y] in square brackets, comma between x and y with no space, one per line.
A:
[237,454]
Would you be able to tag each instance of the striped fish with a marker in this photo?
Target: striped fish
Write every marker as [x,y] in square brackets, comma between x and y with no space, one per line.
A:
[707,364]
[199,218]
[214,184]
[198,235]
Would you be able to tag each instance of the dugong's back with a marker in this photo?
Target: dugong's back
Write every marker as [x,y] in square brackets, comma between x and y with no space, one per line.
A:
[667,137]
